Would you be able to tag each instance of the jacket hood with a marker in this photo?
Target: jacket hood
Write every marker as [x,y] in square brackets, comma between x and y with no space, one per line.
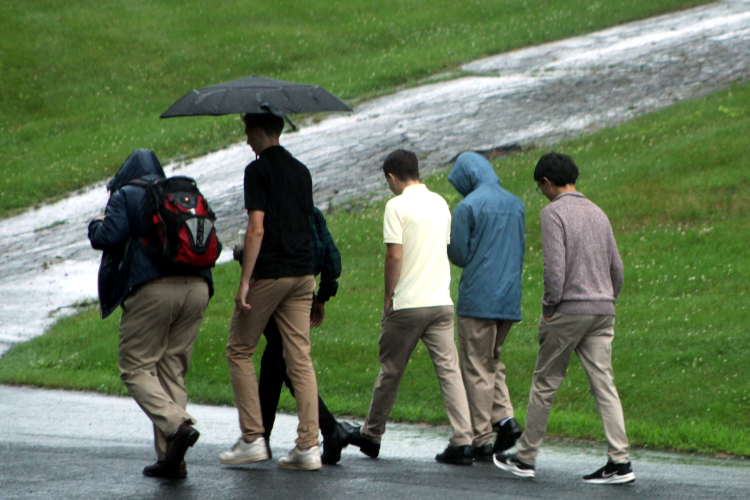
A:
[141,164]
[470,171]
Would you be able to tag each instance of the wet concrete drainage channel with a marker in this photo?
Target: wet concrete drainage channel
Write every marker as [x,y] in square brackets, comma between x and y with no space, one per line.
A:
[535,96]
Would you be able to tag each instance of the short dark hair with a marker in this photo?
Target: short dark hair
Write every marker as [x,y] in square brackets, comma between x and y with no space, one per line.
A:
[402,164]
[271,124]
[560,169]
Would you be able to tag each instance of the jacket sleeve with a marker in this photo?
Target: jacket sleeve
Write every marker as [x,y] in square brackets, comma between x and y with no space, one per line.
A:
[462,225]
[330,268]
[114,230]
[553,249]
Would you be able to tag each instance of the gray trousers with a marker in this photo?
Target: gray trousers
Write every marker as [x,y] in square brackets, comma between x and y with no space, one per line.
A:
[401,330]
[590,336]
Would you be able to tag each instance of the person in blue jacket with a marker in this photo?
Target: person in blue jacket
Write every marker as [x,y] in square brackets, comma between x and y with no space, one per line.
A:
[488,242]
[162,309]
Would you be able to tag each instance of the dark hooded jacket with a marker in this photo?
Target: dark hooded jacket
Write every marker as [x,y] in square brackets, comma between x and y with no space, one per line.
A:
[125,263]
[488,240]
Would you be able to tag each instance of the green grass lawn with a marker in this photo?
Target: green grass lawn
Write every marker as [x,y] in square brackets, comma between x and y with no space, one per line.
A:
[82,83]
[676,187]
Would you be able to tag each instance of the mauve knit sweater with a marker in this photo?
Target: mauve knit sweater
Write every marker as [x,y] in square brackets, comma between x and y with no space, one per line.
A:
[583,272]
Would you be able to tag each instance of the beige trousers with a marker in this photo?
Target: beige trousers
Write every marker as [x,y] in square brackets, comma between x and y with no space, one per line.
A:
[481,344]
[160,321]
[289,301]
[400,332]
[590,337]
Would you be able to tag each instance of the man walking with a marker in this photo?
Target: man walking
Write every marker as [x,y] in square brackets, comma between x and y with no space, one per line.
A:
[277,280]
[162,309]
[488,241]
[417,305]
[327,263]
[583,276]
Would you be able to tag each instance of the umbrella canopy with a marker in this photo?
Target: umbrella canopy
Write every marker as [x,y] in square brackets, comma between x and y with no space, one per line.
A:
[256,94]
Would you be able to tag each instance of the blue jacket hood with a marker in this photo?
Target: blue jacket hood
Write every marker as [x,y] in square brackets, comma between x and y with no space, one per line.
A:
[141,164]
[470,171]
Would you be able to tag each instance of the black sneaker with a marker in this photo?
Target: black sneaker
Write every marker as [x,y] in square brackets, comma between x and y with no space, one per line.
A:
[366,445]
[455,455]
[507,435]
[612,474]
[482,453]
[333,444]
[511,464]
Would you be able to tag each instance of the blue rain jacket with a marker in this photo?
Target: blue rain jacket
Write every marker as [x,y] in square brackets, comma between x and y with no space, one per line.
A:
[488,241]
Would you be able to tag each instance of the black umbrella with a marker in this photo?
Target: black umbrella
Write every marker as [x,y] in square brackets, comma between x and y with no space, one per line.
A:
[256,94]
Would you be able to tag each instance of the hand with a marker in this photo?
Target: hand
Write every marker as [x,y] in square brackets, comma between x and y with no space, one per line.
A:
[546,318]
[236,251]
[387,306]
[241,299]
[317,313]
[101,217]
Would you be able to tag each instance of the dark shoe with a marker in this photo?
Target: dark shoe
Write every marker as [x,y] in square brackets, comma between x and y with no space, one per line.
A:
[482,453]
[161,469]
[612,474]
[178,443]
[511,464]
[507,435]
[455,455]
[366,446]
[333,444]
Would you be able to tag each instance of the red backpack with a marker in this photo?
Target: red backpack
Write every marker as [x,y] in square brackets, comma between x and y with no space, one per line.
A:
[182,224]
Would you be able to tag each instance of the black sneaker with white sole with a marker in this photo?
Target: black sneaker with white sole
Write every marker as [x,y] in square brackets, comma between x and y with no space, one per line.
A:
[612,474]
[511,464]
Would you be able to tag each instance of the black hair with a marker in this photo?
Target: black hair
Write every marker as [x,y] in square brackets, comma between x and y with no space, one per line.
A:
[271,124]
[402,164]
[560,169]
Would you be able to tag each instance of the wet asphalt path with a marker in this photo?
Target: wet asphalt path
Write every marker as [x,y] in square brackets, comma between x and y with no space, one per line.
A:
[63,445]
[538,95]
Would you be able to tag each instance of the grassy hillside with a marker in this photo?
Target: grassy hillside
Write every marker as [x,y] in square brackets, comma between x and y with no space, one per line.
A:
[82,83]
[676,187]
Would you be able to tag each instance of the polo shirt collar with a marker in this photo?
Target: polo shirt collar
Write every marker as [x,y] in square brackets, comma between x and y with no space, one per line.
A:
[575,193]
[414,188]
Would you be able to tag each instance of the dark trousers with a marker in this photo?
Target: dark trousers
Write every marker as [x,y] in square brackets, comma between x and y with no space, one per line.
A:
[272,375]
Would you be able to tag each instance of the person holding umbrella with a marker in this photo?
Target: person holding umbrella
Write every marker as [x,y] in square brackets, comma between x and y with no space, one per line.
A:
[277,280]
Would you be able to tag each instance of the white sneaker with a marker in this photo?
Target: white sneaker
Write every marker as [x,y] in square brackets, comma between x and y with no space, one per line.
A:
[245,453]
[297,459]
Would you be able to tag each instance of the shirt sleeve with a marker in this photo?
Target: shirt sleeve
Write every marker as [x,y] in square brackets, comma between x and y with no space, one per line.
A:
[256,187]
[393,226]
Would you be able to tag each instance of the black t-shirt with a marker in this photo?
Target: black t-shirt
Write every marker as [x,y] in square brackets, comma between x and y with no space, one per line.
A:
[281,187]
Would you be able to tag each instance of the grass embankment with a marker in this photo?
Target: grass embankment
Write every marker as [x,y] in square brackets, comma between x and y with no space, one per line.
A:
[82,83]
[676,187]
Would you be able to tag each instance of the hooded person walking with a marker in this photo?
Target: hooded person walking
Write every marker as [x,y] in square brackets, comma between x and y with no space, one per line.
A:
[488,242]
[162,309]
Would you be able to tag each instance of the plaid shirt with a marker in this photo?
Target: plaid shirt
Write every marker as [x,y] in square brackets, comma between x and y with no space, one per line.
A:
[326,257]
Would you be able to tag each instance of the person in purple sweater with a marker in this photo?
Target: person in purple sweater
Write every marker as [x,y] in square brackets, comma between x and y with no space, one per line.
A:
[583,275]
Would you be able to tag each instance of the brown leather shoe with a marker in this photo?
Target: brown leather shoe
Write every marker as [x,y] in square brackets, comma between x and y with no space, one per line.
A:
[162,469]
[178,443]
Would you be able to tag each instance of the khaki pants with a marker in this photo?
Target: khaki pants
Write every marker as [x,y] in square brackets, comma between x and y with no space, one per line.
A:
[591,338]
[160,321]
[289,301]
[401,330]
[481,344]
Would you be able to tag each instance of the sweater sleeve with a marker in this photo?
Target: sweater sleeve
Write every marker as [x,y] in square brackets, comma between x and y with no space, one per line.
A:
[616,270]
[553,249]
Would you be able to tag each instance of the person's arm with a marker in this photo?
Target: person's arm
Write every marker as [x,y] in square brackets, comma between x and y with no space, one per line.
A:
[111,230]
[330,262]
[553,250]
[253,239]
[391,274]
[616,270]
[462,225]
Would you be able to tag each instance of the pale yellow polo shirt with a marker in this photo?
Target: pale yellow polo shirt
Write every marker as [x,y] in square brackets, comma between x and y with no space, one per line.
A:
[420,221]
